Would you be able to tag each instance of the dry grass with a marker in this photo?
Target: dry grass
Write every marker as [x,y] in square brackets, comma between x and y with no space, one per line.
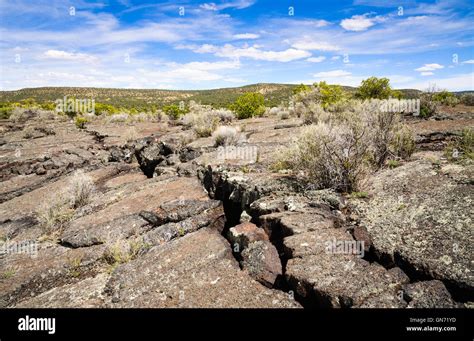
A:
[227,136]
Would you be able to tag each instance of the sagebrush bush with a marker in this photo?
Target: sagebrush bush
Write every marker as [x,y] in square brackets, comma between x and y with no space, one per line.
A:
[226,135]
[131,134]
[331,156]
[53,214]
[116,118]
[19,114]
[225,115]
[341,147]
[283,115]
[204,119]
[203,124]
[467,99]
[81,187]
[29,132]
[462,147]
[402,143]
[446,98]
[428,105]
[142,117]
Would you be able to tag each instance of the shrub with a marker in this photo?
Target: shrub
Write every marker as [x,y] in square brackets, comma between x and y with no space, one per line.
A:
[393,163]
[284,115]
[330,94]
[142,117]
[226,135]
[204,120]
[173,111]
[53,214]
[105,109]
[462,148]
[301,88]
[115,118]
[445,97]
[81,188]
[29,132]
[402,144]
[374,87]
[225,116]
[274,111]
[428,107]
[467,99]
[19,114]
[80,122]
[131,134]
[310,104]
[6,109]
[249,105]
[331,156]
[49,106]
[203,123]
[342,147]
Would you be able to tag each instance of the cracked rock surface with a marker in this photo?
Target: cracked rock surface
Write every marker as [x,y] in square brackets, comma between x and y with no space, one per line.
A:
[170,224]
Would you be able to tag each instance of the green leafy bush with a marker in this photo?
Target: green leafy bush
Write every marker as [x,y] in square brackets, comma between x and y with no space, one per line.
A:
[103,108]
[374,87]
[330,94]
[249,105]
[445,97]
[301,88]
[80,122]
[6,109]
[174,111]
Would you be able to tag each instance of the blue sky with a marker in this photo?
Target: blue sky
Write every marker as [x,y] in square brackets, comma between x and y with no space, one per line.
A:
[205,45]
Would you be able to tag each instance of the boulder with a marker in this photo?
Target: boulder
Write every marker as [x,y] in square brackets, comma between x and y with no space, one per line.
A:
[261,260]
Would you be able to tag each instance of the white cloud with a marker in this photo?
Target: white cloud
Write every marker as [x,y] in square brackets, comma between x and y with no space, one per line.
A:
[308,44]
[316,59]
[63,55]
[252,52]
[221,65]
[470,61]
[332,74]
[359,23]
[429,73]
[335,57]
[429,67]
[209,6]
[454,83]
[238,4]
[246,36]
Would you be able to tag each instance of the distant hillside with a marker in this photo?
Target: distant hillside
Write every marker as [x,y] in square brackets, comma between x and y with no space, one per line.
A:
[128,98]
[274,94]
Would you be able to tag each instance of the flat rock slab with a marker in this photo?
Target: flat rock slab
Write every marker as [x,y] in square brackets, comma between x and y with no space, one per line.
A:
[54,266]
[428,294]
[87,293]
[121,219]
[421,218]
[198,271]
[335,277]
